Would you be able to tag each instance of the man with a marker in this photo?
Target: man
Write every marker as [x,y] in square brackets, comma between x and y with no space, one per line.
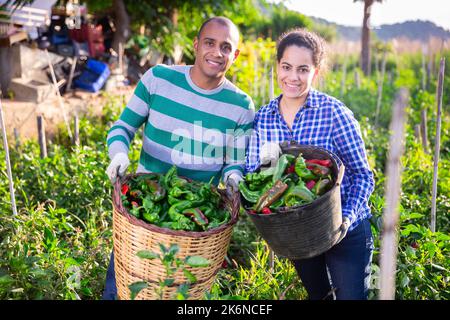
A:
[194,118]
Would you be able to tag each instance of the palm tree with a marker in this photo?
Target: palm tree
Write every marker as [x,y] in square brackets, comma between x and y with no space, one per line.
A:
[365,37]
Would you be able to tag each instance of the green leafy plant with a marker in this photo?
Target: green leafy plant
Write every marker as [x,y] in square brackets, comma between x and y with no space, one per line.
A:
[171,265]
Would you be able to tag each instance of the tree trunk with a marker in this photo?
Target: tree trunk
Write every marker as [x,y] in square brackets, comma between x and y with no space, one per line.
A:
[122,25]
[178,49]
[365,38]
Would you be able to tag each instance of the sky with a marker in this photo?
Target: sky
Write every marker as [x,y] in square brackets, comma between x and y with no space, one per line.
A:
[349,13]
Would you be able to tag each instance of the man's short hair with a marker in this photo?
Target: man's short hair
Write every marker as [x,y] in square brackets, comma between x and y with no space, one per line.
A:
[221,20]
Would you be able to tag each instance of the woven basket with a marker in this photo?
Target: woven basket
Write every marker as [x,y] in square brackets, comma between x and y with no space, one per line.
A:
[131,235]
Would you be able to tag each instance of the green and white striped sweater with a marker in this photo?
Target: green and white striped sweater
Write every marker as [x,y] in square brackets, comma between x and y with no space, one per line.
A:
[204,133]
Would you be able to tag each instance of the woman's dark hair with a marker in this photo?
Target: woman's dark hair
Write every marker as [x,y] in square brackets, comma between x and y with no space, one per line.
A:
[302,38]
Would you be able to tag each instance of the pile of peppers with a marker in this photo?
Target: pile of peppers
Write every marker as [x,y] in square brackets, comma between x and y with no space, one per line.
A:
[294,181]
[170,201]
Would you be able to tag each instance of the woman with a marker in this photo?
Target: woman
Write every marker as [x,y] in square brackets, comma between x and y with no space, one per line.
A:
[311,117]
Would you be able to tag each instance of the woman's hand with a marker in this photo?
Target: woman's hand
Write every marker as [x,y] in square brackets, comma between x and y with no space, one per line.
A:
[270,151]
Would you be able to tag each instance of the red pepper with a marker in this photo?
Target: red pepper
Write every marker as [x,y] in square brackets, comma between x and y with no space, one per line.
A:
[124,189]
[265,210]
[290,169]
[310,184]
[415,245]
[325,163]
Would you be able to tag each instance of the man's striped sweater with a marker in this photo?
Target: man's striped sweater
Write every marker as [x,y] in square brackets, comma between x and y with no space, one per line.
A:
[204,133]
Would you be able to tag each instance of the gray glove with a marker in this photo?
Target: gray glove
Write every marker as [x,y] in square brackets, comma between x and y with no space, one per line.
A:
[269,153]
[118,166]
[232,183]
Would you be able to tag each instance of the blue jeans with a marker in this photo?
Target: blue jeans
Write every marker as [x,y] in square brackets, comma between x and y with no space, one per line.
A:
[110,292]
[343,272]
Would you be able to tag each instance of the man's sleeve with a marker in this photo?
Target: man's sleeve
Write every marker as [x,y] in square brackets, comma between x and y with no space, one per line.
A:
[133,116]
[237,143]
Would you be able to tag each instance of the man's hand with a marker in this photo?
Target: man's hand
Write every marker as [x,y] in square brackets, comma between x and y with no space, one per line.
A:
[232,183]
[118,166]
[270,152]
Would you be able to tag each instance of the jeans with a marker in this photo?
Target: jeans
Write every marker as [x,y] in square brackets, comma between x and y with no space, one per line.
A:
[110,292]
[343,272]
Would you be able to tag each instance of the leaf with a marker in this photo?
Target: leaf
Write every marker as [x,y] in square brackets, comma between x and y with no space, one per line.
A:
[190,276]
[145,254]
[197,261]
[6,280]
[168,282]
[173,250]
[136,287]
[404,281]
[182,292]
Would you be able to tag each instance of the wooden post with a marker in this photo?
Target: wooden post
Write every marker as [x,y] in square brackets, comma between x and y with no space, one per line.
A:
[389,241]
[76,136]
[417,132]
[429,70]
[8,162]
[437,144]
[58,94]
[380,89]
[424,129]
[72,71]
[424,71]
[17,137]
[41,136]
[344,76]
[357,79]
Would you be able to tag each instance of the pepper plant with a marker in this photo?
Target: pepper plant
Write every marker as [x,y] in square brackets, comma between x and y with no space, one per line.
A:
[171,265]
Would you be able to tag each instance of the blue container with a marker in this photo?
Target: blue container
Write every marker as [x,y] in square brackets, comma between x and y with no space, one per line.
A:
[93,77]
[59,39]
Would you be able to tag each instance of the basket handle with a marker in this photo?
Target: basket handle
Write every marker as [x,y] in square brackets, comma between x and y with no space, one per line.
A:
[340,174]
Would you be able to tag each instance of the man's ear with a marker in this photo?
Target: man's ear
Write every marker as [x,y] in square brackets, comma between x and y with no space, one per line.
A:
[236,54]
[195,43]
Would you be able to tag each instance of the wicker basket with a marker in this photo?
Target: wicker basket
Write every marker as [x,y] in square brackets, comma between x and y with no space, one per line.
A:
[132,235]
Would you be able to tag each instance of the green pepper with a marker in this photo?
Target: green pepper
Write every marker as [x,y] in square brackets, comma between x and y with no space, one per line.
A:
[151,209]
[250,196]
[168,177]
[178,182]
[277,204]
[299,194]
[197,215]
[301,170]
[281,166]
[322,186]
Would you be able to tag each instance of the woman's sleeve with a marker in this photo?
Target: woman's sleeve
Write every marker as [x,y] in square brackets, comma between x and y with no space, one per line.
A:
[351,149]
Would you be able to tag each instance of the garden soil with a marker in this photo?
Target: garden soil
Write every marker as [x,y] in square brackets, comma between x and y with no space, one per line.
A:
[23,115]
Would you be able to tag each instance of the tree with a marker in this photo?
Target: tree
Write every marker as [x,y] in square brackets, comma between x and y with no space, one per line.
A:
[365,36]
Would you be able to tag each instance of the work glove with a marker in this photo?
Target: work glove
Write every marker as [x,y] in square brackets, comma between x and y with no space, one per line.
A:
[232,184]
[344,227]
[270,151]
[118,166]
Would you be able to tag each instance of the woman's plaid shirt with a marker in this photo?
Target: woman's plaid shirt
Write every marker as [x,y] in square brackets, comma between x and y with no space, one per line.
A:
[326,122]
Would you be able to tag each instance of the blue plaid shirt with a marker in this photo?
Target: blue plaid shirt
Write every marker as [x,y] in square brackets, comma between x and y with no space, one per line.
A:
[326,122]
